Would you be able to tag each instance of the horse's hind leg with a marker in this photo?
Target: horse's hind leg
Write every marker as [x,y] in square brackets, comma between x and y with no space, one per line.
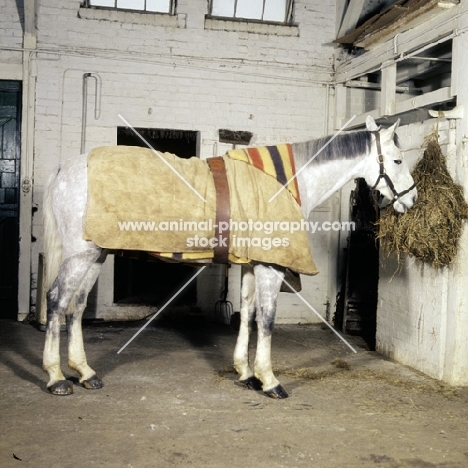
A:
[241,352]
[72,274]
[76,353]
[57,384]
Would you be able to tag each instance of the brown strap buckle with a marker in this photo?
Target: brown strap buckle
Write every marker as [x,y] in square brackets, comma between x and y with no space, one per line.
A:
[223,209]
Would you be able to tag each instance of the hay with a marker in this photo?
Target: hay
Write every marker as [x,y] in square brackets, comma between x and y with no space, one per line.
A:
[431,229]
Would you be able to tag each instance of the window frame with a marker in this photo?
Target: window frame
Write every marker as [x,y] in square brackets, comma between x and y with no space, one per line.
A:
[288,20]
[172,8]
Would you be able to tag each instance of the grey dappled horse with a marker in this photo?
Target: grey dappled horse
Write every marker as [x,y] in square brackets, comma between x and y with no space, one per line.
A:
[73,264]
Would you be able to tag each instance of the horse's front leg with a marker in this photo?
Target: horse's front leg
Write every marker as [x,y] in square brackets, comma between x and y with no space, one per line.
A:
[268,284]
[247,312]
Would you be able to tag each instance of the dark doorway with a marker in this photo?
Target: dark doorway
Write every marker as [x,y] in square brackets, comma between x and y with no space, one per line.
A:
[10,107]
[138,281]
[356,308]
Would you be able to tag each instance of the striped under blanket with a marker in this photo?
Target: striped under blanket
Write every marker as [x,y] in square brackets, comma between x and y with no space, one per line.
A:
[276,161]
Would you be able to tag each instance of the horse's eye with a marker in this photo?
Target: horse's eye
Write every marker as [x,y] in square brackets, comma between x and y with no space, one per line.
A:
[397,161]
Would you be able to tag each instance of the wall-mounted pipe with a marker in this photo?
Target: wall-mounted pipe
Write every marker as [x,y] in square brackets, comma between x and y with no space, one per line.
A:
[395,43]
[431,59]
[97,105]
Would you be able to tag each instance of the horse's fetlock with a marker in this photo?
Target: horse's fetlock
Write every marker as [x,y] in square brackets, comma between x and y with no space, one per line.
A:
[77,366]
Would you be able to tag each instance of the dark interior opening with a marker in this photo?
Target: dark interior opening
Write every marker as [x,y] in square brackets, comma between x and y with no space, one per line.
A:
[356,307]
[140,280]
[10,151]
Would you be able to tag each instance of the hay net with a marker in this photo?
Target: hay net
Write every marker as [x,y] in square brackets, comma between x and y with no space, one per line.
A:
[430,231]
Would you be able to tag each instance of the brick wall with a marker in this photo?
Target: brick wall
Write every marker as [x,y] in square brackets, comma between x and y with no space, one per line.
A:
[412,303]
[11,34]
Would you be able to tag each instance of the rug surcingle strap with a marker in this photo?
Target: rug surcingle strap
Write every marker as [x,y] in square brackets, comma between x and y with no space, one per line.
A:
[223,209]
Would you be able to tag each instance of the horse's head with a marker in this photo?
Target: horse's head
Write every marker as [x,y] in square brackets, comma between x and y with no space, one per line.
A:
[387,171]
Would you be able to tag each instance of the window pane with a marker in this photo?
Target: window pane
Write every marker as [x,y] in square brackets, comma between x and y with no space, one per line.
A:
[104,3]
[275,10]
[162,6]
[223,8]
[249,9]
[131,4]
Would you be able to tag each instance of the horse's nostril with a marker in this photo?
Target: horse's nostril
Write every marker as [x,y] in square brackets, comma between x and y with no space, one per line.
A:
[415,199]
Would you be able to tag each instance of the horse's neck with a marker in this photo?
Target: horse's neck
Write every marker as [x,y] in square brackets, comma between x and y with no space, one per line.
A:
[318,181]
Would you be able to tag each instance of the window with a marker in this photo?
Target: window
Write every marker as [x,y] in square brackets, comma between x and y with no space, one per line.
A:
[154,6]
[279,11]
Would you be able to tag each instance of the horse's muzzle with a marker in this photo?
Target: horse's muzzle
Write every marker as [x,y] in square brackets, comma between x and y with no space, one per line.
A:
[403,204]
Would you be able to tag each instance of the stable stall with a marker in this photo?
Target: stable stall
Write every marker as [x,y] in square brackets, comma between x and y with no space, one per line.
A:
[409,62]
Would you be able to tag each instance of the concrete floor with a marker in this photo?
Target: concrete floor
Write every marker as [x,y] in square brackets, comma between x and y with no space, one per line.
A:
[170,399]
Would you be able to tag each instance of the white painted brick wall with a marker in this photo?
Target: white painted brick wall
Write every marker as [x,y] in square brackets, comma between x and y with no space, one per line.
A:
[412,303]
[11,34]
[183,73]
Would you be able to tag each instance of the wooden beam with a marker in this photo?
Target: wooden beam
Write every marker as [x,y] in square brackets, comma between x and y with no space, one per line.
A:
[426,99]
[417,102]
[378,87]
[412,16]
[432,30]
[360,120]
[351,17]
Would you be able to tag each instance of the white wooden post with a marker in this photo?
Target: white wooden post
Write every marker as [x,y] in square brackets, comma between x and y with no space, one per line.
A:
[455,369]
[388,94]
[27,155]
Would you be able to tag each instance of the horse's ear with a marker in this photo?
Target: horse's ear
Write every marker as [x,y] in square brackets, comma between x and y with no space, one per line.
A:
[371,125]
[395,126]
[390,131]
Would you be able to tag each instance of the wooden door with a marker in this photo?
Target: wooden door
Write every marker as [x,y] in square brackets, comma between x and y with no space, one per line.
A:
[10,92]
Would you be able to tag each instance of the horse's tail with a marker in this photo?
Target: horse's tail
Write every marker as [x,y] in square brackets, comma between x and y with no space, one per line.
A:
[52,241]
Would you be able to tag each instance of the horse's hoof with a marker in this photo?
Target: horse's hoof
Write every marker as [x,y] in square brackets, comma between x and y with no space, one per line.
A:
[277,392]
[252,383]
[62,387]
[93,383]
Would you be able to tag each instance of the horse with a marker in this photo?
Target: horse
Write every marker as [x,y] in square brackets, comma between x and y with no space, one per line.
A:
[73,264]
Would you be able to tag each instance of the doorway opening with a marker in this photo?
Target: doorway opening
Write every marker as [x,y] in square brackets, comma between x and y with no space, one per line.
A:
[356,307]
[10,151]
[137,280]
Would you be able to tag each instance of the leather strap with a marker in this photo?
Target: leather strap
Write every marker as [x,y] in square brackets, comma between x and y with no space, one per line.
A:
[384,175]
[223,209]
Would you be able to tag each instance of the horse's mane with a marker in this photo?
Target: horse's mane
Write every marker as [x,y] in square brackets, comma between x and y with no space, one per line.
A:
[344,146]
